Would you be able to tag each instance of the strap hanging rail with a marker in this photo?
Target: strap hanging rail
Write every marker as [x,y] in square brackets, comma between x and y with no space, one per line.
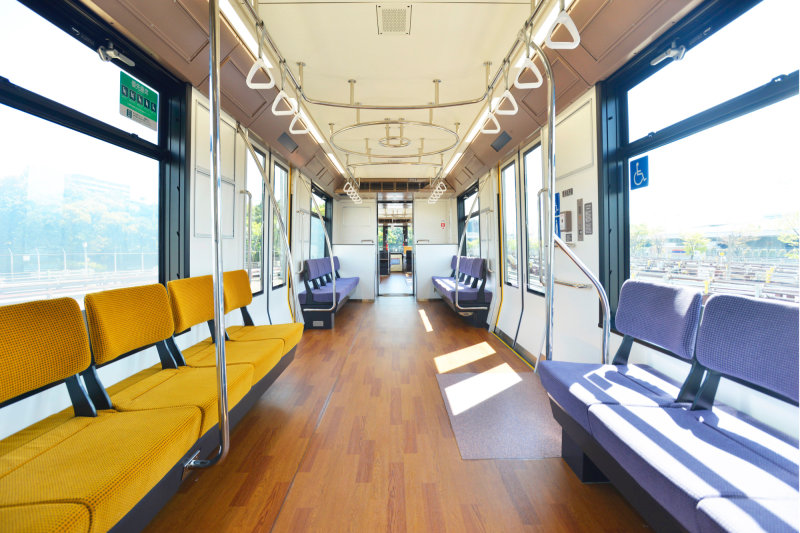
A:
[458,256]
[265,35]
[334,303]
[601,293]
[281,225]
[219,302]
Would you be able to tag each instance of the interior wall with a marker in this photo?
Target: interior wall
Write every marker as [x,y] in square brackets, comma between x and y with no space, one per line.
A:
[355,223]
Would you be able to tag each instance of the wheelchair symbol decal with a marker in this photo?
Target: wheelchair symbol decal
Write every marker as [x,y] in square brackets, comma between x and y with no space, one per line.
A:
[639,173]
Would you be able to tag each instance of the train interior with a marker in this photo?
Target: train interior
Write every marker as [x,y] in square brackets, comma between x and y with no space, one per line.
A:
[346,266]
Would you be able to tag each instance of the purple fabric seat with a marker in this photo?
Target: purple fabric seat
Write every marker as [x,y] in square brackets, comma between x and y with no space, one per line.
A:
[747,514]
[658,314]
[475,267]
[684,458]
[679,460]
[320,269]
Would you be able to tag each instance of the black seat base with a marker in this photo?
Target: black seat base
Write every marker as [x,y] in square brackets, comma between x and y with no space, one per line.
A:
[591,459]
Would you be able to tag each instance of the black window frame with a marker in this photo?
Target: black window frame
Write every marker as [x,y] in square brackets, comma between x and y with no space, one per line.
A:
[171,151]
[512,162]
[462,215]
[278,163]
[616,148]
[327,219]
[534,146]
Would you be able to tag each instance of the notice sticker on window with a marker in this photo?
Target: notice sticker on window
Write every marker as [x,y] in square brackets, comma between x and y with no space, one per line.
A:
[137,101]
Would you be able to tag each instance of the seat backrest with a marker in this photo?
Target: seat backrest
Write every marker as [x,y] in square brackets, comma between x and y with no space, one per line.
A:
[124,320]
[41,343]
[663,315]
[478,268]
[192,301]
[453,262]
[752,340]
[336,265]
[238,292]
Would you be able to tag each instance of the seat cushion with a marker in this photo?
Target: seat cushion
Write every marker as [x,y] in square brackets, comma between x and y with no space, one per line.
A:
[750,515]
[289,334]
[324,294]
[107,463]
[181,387]
[576,386]
[261,355]
[446,287]
[45,517]
[679,460]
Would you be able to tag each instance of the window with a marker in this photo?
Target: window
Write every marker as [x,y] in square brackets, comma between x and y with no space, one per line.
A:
[472,239]
[320,216]
[532,160]
[709,198]
[90,215]
[510,249]
[254,262]
[281,189]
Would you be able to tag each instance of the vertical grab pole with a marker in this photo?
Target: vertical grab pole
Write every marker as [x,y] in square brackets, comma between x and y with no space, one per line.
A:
[548,187]
[216,184]
[281,224]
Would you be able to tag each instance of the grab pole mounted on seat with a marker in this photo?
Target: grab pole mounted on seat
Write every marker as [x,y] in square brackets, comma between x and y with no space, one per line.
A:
[282,226]
[334,303]
[219,301]
[458,258]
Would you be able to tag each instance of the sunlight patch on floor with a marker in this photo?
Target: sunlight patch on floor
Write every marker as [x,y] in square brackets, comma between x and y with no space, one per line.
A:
[473,391]
[425,322]
[465,356]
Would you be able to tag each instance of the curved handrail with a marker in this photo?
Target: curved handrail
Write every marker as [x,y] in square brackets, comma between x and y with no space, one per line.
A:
[458,259]
[600,292]
[334,303]
[265,178]
[219,294]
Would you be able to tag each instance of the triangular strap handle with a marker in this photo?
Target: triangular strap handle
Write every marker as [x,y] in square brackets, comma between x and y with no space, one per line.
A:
[260,64]
[565,20]
[291,102]
[528,63]
[496,125]
[294,121]
[510,98]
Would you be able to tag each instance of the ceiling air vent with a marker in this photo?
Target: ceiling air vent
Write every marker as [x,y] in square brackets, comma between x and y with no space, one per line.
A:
[287,143]
[394,19]
[501,141]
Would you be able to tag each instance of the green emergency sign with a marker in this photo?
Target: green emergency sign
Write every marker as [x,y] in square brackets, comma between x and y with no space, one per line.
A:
[137,101]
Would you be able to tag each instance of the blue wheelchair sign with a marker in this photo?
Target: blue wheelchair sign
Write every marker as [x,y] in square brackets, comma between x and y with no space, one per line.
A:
[639,173]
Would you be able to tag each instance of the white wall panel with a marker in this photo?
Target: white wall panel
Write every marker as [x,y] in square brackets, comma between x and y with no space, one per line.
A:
[431,260]
[358,260]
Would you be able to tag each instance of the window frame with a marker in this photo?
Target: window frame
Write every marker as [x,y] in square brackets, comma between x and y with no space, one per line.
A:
[462,215]
[511,162]
[616,148]
[262,152]
[171,151]
[530,148]
[327,219]
[277,163]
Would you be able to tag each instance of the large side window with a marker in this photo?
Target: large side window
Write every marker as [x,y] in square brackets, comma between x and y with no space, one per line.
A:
[255,257]
[532,161]
[508,177]
[702,191]
[319,217]
[472,239]
[280,186]
[91,214]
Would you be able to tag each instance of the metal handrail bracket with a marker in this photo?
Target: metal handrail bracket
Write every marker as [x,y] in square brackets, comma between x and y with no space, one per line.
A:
[600,292]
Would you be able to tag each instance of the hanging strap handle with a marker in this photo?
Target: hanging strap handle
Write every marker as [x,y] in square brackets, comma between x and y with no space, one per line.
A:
[528,63]
[491,118]
[291,102]
[565,20]
[301,131]
[262,65]
[510,98]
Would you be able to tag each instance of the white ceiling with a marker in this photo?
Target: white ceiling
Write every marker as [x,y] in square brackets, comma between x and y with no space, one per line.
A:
[448,41]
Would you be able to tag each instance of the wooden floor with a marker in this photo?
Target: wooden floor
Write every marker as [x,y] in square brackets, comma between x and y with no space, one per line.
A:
[354,436]
[397,283]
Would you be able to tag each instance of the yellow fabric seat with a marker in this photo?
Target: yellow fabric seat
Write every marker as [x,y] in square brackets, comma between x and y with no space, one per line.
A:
[182,387]
[122,320]
[105,464]
[38,518]
[290,334]
[262,356]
